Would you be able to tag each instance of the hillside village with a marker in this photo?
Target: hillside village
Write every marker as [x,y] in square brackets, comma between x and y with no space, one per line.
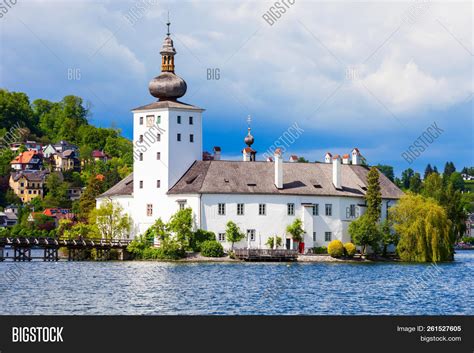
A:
[32,167]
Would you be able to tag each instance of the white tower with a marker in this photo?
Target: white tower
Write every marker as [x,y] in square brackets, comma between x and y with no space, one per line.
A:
[167,136]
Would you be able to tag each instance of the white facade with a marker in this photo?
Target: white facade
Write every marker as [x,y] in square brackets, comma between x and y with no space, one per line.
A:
[276,217]
[167,142]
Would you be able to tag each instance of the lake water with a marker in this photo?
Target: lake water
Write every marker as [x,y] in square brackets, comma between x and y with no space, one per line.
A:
[249,288]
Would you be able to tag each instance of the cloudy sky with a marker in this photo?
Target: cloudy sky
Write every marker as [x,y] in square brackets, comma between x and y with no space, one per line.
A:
[374,75]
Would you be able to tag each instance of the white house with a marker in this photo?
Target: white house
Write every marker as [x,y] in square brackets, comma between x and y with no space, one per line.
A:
[262,197]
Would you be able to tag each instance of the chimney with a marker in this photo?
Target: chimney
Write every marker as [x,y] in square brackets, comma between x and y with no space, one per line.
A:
[356,160]
[336,171]
[328,157]
[217,153]
[278,168]
[345,159]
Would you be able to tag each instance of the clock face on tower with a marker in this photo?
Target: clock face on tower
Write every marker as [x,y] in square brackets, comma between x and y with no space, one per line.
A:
[150,120]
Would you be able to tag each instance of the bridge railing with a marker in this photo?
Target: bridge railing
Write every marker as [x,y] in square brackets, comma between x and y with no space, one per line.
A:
[47,241]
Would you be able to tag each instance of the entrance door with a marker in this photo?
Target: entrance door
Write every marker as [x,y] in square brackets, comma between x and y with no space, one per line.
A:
[288,244]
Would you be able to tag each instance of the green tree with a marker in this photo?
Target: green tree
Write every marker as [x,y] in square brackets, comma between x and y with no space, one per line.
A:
[449,169]
[386,170]
[415,183]
[181,224]
[109,221]
[296,230]
[387,235]
[457,181]
[87,202]
[423,227]
[233,233]
[433,187]
[365,232]
[373,196]
[406,176]
[428,171]
[56,192]
[302,160]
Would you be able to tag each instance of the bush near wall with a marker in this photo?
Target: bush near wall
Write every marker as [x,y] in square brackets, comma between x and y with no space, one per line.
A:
[212,248]
[350,249]
[319,250]
[336,248]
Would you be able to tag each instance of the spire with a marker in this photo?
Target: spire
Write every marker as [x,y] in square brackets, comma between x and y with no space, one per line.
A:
[167,86]
[168,24]
[167,51]
[249,138]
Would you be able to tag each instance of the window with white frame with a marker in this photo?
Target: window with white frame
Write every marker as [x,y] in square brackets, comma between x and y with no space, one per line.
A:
[140,139]
[262,209]
[315,209]
[141,184]
[182,204]
[221,236]
[178,137]
[158,183]
[158,137]
[141,156]
[221,209]
[158,119]
[141,120]
[158,156]
[191,138]
[240,209]
[179,119]
[149,210]
[191,120]
[251,234]
[314,236]
[327,236]
[328,209]
[291,209]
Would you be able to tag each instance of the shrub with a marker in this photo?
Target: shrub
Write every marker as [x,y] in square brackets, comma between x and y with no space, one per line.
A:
[319,250]
[336,248]
[199,237]
[212,248]
[152,254]
[350,249]
[171,249]
[271,240]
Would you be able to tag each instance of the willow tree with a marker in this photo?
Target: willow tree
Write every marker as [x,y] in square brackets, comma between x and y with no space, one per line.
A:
[424,230]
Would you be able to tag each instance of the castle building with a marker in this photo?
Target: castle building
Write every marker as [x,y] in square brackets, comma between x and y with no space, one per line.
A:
[171,172]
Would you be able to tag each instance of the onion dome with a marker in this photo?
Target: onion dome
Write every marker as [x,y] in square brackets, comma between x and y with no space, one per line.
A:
[249,139]
[167,86]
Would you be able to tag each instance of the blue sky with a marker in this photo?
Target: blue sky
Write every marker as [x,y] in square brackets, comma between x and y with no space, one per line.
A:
[373,75]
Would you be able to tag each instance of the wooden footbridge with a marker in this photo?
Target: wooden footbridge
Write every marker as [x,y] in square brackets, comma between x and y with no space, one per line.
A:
[275,255]
[76,248]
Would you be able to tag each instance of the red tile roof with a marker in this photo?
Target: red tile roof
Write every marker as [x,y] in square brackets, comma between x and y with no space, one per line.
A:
[24,158]
[345,156]
[98,154]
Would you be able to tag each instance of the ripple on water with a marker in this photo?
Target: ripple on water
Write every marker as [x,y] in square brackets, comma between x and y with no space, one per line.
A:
[148,288]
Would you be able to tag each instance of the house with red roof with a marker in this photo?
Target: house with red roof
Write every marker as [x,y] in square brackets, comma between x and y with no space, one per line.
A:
[29,160]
